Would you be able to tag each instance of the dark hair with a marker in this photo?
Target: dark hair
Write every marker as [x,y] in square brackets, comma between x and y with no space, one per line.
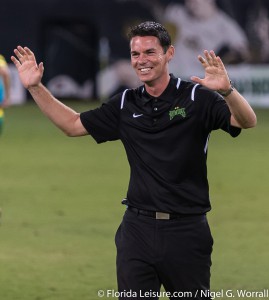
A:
[151,28]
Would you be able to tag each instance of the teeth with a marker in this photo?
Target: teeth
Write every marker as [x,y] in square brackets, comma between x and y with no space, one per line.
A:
[145,70]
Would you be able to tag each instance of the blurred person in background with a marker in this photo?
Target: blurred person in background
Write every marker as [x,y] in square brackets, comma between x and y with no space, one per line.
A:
[197,25]
[257,29]
[4,88]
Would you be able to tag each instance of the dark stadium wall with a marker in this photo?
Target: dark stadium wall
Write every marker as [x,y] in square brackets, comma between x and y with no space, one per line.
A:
[67,35]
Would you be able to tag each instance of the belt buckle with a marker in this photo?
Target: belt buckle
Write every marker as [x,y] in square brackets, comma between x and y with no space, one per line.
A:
[162,216]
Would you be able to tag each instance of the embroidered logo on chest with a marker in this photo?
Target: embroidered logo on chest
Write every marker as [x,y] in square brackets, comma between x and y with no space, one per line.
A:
[177,112]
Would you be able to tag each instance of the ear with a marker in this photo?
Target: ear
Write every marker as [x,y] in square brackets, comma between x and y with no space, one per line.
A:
[170,52]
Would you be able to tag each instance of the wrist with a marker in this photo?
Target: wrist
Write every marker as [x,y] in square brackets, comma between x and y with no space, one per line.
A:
[226,93]
[34,87]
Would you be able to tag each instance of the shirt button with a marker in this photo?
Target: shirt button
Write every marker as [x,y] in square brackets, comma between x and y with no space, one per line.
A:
[155,100]
[155,108]
[154,120]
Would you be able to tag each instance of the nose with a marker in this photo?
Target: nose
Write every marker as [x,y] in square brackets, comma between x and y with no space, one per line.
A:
[142,58]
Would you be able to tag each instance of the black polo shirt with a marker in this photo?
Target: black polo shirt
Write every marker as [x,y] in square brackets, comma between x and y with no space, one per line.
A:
[166,141]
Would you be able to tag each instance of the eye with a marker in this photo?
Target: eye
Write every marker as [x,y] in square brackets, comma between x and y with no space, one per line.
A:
[134,54]
[151,52]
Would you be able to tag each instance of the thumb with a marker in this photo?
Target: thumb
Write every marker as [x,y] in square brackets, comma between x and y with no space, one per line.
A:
[196,79]
[41,67]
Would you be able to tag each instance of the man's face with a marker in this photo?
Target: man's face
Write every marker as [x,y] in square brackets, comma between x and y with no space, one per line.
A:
[148,58]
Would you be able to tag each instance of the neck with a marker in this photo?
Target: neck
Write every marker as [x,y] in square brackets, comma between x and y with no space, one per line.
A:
[157,87]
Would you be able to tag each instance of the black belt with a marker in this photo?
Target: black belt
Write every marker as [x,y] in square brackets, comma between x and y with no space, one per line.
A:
[157,214]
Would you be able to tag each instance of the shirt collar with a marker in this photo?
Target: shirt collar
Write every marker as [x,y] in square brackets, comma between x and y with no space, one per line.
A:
[167,94]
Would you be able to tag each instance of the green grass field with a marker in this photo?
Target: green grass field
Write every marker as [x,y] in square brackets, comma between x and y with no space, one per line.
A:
[60,201]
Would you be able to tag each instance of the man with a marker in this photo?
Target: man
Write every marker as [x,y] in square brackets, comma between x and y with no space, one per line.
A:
[164,238]
[4,88]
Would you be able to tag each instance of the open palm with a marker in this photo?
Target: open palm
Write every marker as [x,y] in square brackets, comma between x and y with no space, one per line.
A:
[216,77]
[29,72]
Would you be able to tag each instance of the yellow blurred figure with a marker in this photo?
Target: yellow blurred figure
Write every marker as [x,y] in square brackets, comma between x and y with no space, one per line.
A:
[4,88]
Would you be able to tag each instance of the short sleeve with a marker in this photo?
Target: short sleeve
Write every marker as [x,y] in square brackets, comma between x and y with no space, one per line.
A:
[216,112]
[103,123]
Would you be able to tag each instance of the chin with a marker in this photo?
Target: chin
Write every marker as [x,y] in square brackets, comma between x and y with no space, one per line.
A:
[145,78]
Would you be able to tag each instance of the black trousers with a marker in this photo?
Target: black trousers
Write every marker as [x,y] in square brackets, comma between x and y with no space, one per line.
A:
[174,253]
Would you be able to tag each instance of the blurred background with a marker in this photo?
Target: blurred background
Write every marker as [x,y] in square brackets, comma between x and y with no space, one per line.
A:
[86,54]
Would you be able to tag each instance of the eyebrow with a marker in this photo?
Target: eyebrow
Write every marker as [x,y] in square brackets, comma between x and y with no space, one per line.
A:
[151,49]
[147,50]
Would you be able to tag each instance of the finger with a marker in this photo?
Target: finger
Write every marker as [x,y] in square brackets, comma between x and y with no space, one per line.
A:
[29,52]
[21,50]
[19,54]
[22,53]
[197,79]
[15,61]
[208,57]
[212,53]
[41,67]
[215,61]
[201,59]
[220,62]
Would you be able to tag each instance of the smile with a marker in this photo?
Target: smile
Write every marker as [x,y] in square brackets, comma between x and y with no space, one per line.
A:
[145,70]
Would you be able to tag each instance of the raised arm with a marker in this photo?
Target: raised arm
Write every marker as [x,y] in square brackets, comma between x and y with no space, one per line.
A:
[30,74]
[217,79]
